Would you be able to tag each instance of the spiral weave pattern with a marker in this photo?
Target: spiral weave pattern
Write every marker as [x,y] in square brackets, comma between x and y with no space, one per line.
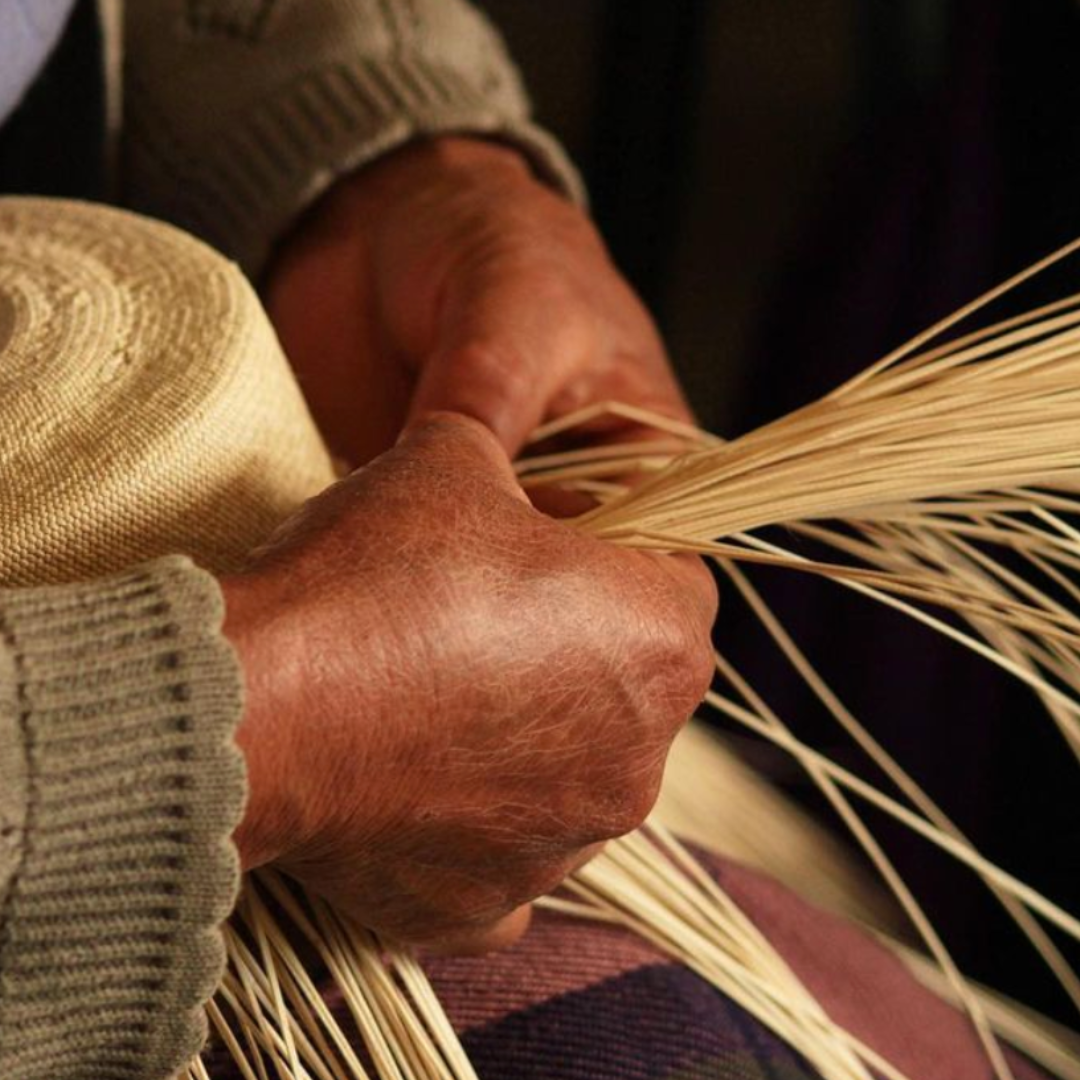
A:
[174,423]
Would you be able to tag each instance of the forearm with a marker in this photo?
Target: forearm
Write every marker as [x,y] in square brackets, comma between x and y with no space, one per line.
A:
[121,785]
[240,115]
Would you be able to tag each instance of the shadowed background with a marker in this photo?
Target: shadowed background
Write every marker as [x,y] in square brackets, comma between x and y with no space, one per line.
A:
[795,189]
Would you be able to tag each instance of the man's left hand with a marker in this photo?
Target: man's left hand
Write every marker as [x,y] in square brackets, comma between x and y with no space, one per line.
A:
[447,277]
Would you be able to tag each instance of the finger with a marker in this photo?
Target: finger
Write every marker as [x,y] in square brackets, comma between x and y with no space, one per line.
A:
[508,342]
[491,937]
[695,583]
[642,378]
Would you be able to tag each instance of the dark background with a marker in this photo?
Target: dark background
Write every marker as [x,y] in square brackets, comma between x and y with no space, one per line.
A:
[794,189]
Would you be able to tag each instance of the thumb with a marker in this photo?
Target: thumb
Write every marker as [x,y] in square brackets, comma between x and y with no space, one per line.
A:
[460,446]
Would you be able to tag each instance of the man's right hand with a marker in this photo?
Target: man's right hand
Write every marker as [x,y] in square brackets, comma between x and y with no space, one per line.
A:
[452,698]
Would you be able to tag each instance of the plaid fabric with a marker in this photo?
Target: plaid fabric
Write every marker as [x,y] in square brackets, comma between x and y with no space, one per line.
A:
[582,1001]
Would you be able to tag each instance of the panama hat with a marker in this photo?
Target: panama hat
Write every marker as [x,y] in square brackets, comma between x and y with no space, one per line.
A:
[147,407]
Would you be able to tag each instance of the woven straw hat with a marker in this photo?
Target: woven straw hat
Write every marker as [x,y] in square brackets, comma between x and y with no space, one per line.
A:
[146,404]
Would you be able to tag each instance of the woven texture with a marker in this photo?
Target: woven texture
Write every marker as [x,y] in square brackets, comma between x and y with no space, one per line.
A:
[118,867]
[147,407]
[583,1001]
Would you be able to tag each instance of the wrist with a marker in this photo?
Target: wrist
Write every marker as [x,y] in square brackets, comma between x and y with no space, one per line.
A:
[315,709]
[263,733]
[447,157]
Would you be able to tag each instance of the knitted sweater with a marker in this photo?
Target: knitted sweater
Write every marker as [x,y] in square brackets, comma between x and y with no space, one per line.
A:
[120,784]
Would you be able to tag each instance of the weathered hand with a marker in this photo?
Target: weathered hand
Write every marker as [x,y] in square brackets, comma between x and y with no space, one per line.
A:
[450,695]
[448,277]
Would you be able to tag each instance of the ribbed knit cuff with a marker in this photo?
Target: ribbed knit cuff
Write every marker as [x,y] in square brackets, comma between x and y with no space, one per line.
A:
[126,698]
[245,192]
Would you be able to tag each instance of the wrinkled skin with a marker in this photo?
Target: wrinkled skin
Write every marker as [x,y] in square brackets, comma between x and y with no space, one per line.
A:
[446,277]
[451,698]
[452,695]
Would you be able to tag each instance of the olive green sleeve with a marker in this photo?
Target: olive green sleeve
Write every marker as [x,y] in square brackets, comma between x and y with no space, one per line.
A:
[239,113]
[120,786]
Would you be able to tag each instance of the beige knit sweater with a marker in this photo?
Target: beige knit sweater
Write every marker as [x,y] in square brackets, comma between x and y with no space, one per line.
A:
[119,781]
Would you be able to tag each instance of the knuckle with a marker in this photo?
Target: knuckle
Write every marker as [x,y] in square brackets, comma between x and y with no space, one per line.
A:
[625,806]
[483,357]
[674,669]
[538,880]
[636,806]
[686,660]
[701,667]
[656,660]
[467,905]
[631,812]
[709,593]
[497,364]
